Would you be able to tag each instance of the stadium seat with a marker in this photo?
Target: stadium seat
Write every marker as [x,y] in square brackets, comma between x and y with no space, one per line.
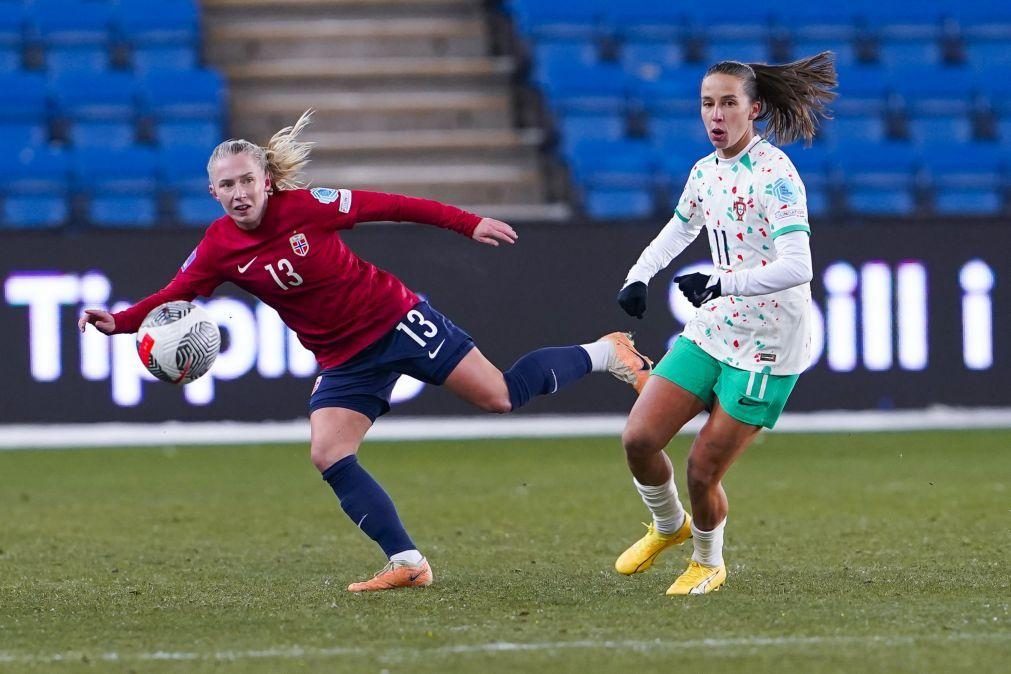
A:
[608,204]
[24,97]
[198,94]
[75,34]
[680,130]
[120,185]
[845,53]
[649,60]
[884,165]
[578,88]
[967,201]
[560,19]
[576,128]
[849,128]
[931,90]
[11,38]
[861,90]
[817,201]
[23,134]
[147,58]
[182,175]
[812,163]
[34,187]
[904,53]
[204,134]
[879,201]
[748,50]
[620,163]
[956,128]
[172,23]
[676,93]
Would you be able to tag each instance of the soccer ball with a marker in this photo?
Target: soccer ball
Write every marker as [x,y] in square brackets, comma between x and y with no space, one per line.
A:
[178,342]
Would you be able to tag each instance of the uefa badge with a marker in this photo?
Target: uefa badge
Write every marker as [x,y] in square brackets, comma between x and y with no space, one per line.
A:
[740,208]
[299,244]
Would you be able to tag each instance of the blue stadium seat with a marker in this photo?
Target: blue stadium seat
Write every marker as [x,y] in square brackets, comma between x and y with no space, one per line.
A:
[575,129]
[862,89]
[871,200]
[23,134]
[624,163]
[646,20]
[182,173]
[157,57]
[24,97]
[885,165]
[109,96]
[559,19]
[34,187]
[648,60]
[574,87]
[11,37]
[967,200]
[845,54]
[817,200]
[74,33]
[204,134]
[812,163]
[679,131]
[171,23]
[855,129]
[199,94]
[120,185]
[932,90]
[904,53]
[749,50]
[989,55]
[613,204]
[956,128]
[676,93]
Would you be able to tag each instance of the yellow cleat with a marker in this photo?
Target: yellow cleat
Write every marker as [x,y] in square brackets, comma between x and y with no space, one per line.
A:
[627,364]
[644,551]
[699,579]
[396,575]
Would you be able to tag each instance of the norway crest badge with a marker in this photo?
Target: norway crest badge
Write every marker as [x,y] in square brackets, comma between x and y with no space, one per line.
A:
[299,244]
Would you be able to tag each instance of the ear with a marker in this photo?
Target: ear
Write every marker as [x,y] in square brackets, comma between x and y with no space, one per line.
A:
[268,184]
[756,109]
[210,188]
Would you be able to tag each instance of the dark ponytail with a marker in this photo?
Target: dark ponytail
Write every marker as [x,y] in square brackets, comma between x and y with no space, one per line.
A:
[793,95]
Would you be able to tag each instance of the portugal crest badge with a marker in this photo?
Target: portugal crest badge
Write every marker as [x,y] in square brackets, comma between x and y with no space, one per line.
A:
[299,244]
[740,208]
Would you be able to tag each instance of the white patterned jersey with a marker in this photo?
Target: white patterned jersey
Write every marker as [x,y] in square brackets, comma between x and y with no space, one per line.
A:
[744,203]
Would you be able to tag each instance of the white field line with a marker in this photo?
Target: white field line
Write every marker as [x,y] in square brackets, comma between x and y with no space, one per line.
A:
[456,428]
[729,646]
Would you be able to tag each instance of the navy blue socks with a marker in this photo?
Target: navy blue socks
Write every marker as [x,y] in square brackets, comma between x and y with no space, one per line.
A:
[368,505]
[545,371]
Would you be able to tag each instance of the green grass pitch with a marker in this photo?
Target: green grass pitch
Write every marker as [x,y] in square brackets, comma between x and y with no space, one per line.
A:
[859,552]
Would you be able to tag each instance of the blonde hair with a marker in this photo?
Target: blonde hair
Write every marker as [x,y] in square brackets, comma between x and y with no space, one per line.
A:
[794,95]
[282,159]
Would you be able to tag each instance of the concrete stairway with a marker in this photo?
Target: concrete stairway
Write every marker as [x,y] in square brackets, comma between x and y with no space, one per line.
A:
[408,97]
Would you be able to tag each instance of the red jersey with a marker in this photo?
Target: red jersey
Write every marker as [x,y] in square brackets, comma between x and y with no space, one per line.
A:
[296,262]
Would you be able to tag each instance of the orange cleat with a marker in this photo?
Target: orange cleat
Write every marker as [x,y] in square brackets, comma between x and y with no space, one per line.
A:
[626,363]
[396,575]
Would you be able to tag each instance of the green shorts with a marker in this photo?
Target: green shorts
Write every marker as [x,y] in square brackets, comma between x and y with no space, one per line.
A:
[755,398]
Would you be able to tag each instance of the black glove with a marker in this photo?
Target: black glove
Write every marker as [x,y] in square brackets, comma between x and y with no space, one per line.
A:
[632,299]
[699,288]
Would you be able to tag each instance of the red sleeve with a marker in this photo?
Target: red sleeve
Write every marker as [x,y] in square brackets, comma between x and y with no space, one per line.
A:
[196,277]
[368,206]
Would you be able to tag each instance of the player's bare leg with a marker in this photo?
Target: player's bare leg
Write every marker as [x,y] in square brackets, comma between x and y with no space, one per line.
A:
[716,447]
[545,371]
[336,434]
[662,409]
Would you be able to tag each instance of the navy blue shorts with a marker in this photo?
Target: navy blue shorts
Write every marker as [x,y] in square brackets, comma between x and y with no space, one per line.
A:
[424,344]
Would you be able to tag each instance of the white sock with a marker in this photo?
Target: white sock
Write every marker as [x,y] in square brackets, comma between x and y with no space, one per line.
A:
[600,353]
[662,500]
[709,545]
[408,557]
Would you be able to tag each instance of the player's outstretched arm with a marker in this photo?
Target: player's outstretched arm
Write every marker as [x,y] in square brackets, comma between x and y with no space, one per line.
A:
[102,320]
[492,232]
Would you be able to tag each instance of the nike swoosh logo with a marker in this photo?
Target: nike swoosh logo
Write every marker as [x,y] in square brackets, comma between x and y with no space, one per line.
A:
[749,401]
[415,577]
[242,268]
[433,354]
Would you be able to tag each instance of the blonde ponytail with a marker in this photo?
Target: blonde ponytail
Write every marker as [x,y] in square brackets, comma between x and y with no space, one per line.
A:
[282,159]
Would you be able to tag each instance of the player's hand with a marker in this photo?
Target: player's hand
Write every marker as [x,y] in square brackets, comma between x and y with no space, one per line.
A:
[492,231]
[632,299]
[699,288]
[102,320]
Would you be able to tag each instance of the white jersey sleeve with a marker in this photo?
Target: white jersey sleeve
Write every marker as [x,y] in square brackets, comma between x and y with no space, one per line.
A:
[792,267]
[683,227]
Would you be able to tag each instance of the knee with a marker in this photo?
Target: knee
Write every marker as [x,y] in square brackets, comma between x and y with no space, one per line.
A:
[497,405]
[638,443]
[324,456]
[702,474]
